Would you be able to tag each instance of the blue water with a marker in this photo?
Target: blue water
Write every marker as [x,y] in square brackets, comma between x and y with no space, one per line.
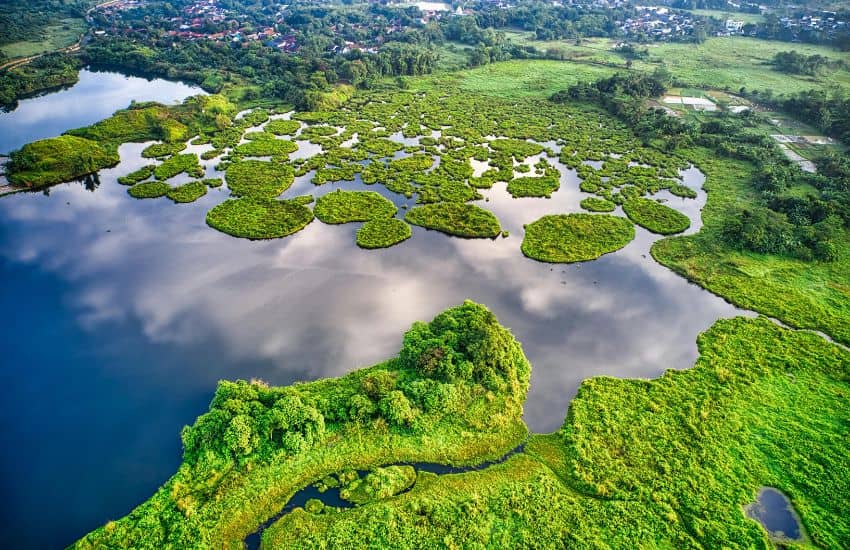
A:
[121,316]
[775,513]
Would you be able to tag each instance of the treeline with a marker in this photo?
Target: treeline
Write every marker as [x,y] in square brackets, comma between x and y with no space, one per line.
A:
[27,19]
[47,72]
[804,227]
[798,63]
[829,111]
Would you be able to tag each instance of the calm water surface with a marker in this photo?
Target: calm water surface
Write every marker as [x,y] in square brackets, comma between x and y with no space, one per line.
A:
[96,96]
[121,316]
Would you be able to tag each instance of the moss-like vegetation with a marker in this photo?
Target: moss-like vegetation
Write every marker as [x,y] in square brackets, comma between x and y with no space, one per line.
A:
[161,150]
[379,484]
[189,192]
[454,395]
[517,148]
[254,218]
[266,147]
[281,127]
[533,186]
[259,179]
[54,160]
[213,182]
[382,233]
[655,216]
[683,191]
[179,164]
[353,206]
[575,237]
[149,190]
[595,204]
[141,174]
[462,220]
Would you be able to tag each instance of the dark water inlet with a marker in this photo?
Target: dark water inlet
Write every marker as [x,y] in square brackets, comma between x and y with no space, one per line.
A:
[775,513]
[331,496]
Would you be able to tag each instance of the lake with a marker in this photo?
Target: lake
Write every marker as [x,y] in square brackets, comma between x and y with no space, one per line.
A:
[123,314]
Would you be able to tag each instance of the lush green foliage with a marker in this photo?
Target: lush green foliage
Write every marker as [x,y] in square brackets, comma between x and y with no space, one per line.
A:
[281,127]
[257,445]
[254,218]
[353,206]
[668,463]
[462,220]
[382,233]
[149,190]
[570,238]
[595,204]
[379,484]
[189,192]
[58,159]
[160,150]
[655,216]
[261,146]
[259,179]
[179,164]
[141,174]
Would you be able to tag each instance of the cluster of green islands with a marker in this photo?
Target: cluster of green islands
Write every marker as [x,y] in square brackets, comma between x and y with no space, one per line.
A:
[674,462]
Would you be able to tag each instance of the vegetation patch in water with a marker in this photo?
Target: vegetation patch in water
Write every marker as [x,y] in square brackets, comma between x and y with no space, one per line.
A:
[254,218]
[570,238]
[379,484]
[54,160]
[259,179]
[141,174]
[459,219]
[534,186]
[519,149]
[353,206]
[683,191]
[149,190]
[266,147]
[280,127]
[655,216]
[382,233]
[189,192]
[160,150]
[179,164]
[595,204]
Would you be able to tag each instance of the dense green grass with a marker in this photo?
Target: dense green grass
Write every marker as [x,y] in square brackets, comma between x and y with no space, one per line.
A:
[54,160]
[382,233]
[595,204]
[668,463]
[570,238]
[135,177]
[149,190]
[160,150]
[461,220]
[266,147]
[280,127]
[189,192]
[259,179]
[655,216]
[254,218]
[64,33]
[353,206]
[803,294]
[179,164]
[454,395]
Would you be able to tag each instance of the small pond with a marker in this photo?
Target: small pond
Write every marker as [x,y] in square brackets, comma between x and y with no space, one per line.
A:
[776,514]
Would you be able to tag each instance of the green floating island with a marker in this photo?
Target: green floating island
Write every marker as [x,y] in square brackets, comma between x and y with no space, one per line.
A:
[595,204]
[160,150]
[141,174]
[519,149]
[54,160]
[189,192]
[265,145]
[178,164]
[534,186]
[149,190]
[259,179]
[568,238]
[459,219]
[253,218]
[379,484]
[282,127]
[353,206]
[683,191]
[655,217]
[382,233]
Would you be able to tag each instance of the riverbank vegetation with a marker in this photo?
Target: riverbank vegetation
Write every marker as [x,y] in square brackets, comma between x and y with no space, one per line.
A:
[55,160]
[571,238]
[453,395]
[669,462]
